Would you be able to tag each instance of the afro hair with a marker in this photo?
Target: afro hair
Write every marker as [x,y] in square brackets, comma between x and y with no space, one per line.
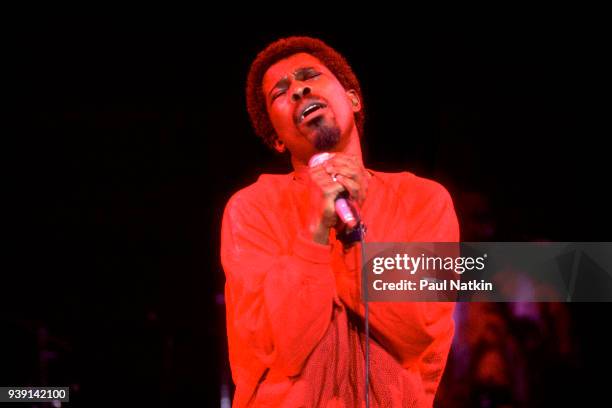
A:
[283,48]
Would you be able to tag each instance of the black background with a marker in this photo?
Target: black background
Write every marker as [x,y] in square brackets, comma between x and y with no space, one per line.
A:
[128,141]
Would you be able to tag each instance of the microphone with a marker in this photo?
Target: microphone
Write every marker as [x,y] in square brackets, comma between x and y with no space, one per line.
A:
[343,208]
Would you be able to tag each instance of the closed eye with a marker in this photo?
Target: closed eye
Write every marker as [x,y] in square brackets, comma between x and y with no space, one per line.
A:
[277,94]
[303,74]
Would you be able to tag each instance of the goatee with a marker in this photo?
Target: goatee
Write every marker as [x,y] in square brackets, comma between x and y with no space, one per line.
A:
[326,136]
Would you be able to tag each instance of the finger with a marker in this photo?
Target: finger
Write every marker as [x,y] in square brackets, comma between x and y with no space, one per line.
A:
[345,161]
[319,173]
[346,165]
[346,171]
[350,185]
[325,181]
[333,189]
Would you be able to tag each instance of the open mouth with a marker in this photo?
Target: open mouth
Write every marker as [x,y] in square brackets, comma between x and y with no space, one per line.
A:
[310,109]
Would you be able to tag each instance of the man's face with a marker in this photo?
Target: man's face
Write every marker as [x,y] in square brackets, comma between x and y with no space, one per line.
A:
[308,107]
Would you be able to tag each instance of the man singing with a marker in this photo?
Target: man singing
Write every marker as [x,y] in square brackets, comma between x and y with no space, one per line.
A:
[295,318]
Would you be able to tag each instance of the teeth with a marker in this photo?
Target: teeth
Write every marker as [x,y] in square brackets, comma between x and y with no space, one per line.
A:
[310,109]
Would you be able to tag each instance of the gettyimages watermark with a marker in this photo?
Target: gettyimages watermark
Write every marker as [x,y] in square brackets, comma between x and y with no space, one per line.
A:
[488,272]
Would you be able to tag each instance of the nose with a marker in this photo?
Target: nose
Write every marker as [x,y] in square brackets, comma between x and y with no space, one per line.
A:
[299,92]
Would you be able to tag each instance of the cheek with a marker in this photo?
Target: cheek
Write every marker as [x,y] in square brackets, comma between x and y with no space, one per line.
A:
[341,103]
[281,118]
[277,113]
[344,111]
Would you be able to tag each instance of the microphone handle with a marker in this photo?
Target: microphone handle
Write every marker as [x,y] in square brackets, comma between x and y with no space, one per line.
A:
[344,210]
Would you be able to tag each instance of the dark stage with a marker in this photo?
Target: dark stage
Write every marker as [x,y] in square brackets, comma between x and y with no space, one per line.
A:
[128,141]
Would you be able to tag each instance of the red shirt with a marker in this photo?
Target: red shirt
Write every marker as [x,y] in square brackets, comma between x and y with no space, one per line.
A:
[294,316]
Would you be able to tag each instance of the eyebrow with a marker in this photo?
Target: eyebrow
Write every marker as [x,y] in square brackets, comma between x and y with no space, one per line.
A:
[284,81]
[301,71]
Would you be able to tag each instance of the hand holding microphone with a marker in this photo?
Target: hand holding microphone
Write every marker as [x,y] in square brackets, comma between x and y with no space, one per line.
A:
[338,184]
[343,209]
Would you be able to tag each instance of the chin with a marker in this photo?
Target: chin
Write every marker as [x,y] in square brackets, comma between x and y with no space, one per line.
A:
[326,138]
[326,134]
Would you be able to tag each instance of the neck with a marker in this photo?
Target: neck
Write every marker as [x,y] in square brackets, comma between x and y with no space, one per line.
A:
[352,147]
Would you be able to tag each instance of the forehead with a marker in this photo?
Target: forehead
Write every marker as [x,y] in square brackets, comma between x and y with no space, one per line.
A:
[288,66]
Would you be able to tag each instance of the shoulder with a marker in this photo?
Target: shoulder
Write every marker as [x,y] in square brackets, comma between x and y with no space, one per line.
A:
[425,203]
[258,196]
[414,190]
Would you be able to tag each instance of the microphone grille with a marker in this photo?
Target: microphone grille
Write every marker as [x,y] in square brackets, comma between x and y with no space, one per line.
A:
[319,158]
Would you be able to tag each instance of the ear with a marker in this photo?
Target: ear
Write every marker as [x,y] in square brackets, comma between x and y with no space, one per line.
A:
[354,99]
[279,146]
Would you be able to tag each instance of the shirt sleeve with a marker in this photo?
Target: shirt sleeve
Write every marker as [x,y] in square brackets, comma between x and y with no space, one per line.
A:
[417,334]
[279,301]
[441,226]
